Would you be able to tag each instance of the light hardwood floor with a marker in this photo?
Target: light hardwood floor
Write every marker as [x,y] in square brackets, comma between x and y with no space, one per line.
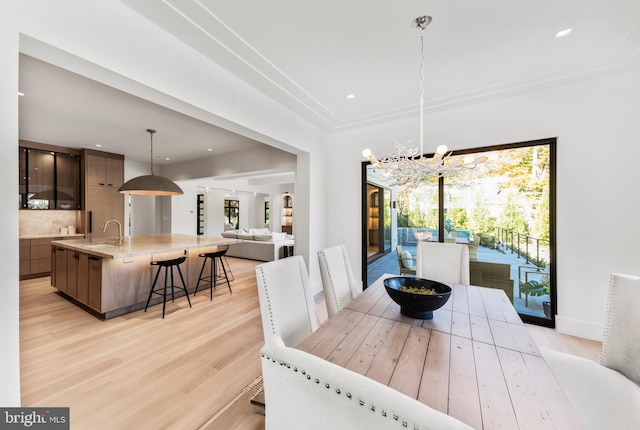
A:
[139,371]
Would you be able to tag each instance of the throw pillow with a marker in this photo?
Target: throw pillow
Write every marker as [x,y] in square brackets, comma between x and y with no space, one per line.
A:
[407,260]
[245,236]
[278,237]
[262,237]
[259,231]
[231,234]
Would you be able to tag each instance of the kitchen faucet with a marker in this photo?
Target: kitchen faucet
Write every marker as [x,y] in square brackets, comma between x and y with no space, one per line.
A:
[119,242]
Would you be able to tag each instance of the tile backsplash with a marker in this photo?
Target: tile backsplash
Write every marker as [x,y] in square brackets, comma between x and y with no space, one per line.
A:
[35,222]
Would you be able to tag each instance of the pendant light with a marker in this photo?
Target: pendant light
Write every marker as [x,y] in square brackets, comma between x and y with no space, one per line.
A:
[151,185]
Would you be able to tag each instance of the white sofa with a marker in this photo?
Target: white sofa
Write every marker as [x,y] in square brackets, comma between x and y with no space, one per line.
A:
[258,244]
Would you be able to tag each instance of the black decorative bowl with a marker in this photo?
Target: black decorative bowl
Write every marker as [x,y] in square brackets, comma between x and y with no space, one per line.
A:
[415,304]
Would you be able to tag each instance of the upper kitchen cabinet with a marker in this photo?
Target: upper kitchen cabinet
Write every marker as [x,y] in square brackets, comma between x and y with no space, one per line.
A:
[49,177]
[104,171]
[67,181]
[103,176]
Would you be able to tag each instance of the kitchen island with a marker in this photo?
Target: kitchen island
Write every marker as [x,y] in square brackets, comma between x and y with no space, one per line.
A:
[110,279]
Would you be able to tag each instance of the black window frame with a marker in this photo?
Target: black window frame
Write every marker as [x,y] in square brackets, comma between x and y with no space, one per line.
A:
[552,142]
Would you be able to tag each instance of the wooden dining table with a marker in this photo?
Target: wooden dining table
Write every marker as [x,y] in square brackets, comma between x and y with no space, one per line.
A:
[475,360]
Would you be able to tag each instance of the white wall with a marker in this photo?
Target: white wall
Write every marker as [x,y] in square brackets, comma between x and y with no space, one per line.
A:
[145,214]
[257,210]
[142,218]
[214,212]
[9,326]
[184,210]
[598,148]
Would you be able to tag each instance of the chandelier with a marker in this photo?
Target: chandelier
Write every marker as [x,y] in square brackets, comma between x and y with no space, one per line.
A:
[408,164]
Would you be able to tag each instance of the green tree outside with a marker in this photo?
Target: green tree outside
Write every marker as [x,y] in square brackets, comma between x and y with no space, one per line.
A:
[513,217]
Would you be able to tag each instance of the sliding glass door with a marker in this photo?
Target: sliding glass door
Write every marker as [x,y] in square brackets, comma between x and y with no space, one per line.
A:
[503,210]
[378,221]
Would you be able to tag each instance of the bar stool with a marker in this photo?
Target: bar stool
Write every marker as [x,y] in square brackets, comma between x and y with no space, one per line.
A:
[217,270]
[168,264]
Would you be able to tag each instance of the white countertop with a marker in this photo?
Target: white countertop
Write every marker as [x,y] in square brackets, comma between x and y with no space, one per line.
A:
[133,246]
[52,236]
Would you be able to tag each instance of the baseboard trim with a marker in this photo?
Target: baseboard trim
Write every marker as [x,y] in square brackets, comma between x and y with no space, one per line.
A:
[583,329]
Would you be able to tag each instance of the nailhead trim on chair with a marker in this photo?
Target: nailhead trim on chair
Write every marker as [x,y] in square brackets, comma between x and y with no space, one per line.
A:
[607,322]
[266,294]
[349,396]
[333,289]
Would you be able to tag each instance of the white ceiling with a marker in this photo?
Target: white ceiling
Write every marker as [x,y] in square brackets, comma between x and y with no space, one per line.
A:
[310,55]
[65,109]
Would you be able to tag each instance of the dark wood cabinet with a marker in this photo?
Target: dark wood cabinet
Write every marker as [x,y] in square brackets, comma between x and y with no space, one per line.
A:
[103,176]
[67,181]
[39,179]
[82,277]
[49,179]
[287,215]
[36,257]
[22,178]
[78,275]
[104,171]
[94,282]
[25,258]
[59,268]
[72,274]
[40,256]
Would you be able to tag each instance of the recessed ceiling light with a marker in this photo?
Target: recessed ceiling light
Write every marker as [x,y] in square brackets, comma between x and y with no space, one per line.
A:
[167,158]
[563,33]
[98,145]
[210,149]
[351,96]
[20,94]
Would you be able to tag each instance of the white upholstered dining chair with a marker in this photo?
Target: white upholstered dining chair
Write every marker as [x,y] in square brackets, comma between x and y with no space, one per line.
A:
[303,391]
[287,305]
[607,395]
[621,346]
[443,262]
[338,284]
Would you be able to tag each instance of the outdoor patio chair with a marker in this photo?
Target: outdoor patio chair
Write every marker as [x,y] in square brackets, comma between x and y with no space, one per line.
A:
[532,281]
[473,249]
[406,261]
[491,275]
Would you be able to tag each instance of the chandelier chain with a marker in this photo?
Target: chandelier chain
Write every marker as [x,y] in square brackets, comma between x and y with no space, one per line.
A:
[421,91]
[409,164]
